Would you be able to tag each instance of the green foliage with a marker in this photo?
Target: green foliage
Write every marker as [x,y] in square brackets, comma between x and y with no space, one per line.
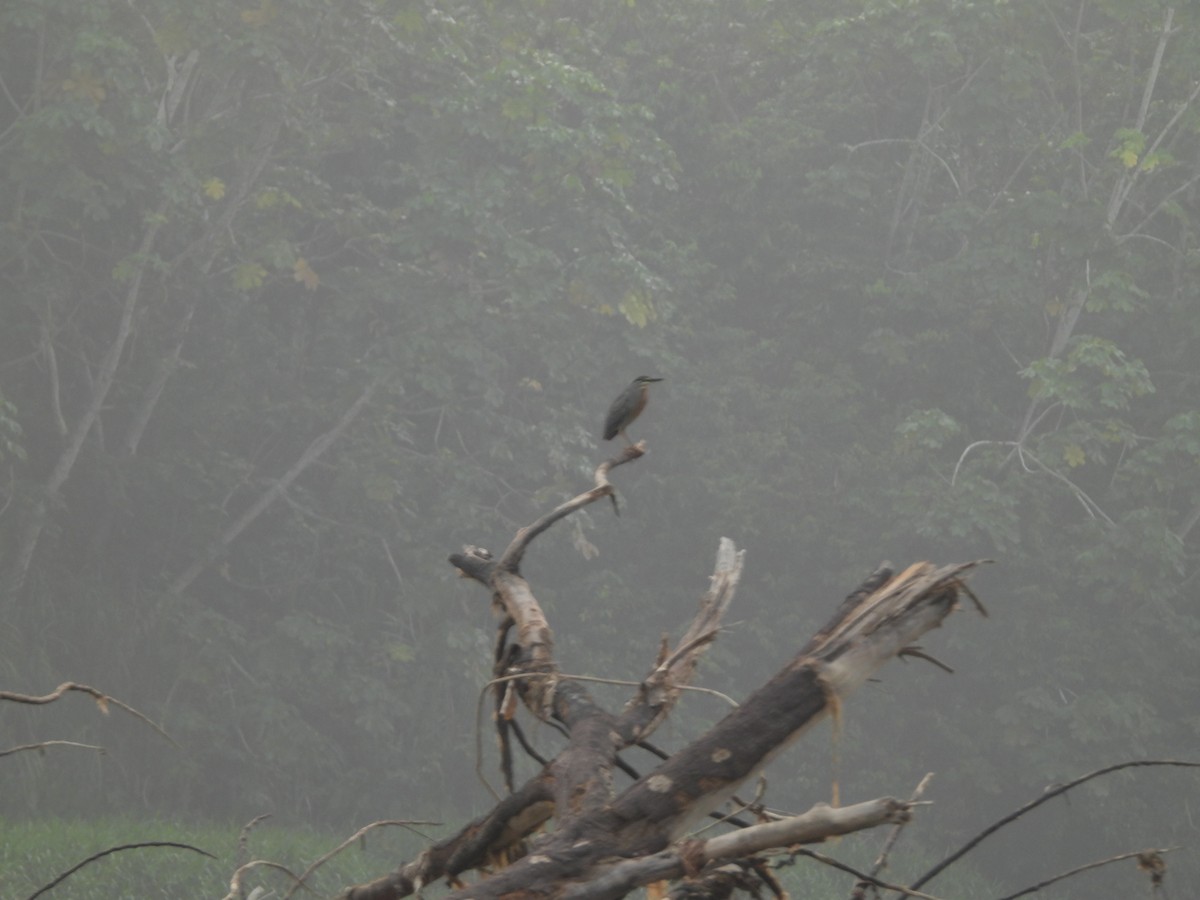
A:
[927,429]
[921,278]
[285,225]
[1093,375]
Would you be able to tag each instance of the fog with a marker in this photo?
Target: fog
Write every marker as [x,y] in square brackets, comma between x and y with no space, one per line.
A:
[298,299]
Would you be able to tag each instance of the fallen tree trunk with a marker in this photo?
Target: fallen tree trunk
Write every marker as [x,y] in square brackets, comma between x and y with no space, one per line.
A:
[605,845]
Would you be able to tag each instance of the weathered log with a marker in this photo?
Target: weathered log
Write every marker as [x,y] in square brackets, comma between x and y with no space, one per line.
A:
[659,808]
[604,846]
[703,775]
[637,828]
[578,780]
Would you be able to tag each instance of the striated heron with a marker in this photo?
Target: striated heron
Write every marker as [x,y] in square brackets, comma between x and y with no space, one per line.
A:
[627,407]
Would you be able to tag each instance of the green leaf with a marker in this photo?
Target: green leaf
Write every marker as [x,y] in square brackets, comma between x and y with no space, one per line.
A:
[637,309]
[248,276]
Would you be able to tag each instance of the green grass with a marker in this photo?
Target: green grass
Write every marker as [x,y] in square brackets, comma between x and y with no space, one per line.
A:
[34,853]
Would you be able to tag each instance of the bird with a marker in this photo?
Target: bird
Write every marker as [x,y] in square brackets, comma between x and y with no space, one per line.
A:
[627,407]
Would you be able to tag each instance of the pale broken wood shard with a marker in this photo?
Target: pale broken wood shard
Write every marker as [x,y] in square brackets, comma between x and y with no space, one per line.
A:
[881,619]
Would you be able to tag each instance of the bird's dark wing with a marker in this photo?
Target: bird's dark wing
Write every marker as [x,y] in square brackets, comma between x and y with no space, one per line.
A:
[612,422]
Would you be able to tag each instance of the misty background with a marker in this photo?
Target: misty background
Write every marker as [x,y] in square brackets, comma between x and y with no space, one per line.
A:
[296,298]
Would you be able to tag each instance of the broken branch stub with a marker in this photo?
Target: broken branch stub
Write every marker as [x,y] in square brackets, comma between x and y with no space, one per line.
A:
[703,775]
[877,622]
[639,827]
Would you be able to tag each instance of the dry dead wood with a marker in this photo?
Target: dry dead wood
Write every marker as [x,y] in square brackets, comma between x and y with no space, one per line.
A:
[603,844]
[111,850]
[103,701]
[1049,793]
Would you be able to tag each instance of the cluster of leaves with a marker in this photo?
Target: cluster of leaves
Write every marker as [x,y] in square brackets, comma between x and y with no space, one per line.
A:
[225,225]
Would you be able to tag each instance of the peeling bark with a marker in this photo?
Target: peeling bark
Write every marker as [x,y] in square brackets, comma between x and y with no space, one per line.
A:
[603,845]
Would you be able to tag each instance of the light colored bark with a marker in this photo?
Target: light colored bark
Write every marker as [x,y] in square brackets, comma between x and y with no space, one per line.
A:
[311,454]
[27,544]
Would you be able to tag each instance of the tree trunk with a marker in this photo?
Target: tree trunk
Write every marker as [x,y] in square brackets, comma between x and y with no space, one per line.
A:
[311,454]
[27,544]
[604,845]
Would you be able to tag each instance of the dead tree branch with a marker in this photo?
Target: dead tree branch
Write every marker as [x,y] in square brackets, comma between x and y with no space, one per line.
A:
[861,876]
[82,427]
[881,618]
[822,821]
[311,454]
[235,883]
[103,853]
[605,844]
[517,815]
[102,701]
[243,842]
[881,861]
[1049,794]
[1148,860]
[42,745]
[357,836]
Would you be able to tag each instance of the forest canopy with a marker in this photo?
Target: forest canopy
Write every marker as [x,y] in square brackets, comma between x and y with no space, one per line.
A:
[297,296]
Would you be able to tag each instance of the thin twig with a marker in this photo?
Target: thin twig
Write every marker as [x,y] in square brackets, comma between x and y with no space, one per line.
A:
[102,700]
[979,607]
[1136,230]
[1034,888]
[1048,794]
[519,732]
[863,876]
[918,653]
[244,837]
[916,142]
[483,692]
[881,861]
[1093,508]
[626,683]
[95,856]
[43,744]
[235,883]
[1125,184]
[963,456]
[346,843]
[510,559]
[392,560]
[565,677]
[754,805]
